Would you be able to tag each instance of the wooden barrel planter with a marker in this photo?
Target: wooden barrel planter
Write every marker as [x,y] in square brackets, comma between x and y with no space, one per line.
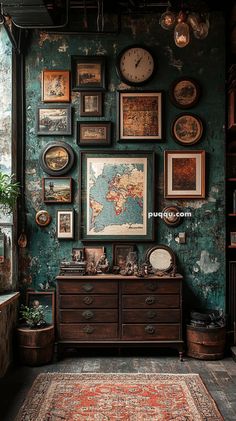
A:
[35,346]
[206,343]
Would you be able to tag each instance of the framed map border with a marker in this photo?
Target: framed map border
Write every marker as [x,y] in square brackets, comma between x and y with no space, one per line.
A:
[149,205]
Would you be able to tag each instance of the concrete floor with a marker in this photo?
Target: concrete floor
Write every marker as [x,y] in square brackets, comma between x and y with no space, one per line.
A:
[218,376]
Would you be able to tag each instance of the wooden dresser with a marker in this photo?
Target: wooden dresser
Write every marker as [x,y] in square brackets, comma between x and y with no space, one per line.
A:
[114,310]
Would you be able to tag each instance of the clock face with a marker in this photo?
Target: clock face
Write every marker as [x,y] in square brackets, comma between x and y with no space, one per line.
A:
[135,65]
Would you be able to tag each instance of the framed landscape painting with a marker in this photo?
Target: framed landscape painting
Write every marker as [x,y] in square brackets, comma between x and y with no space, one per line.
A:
[57,190]
[184,174]
[55,86]
[54,119]
[139,116]
[117,192]
[88,73]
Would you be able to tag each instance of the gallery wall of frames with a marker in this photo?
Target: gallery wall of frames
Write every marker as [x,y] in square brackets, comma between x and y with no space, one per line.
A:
[119,129]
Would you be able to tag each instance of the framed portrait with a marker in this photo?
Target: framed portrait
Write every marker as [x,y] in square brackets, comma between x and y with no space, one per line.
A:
[185,92]
[120,253]
[54,119]
[57,190]
[55,86]
[91,104]
[94,134]
[57,158]
[43,218]
[139,116]
[184,174]
[88,73]
[187,129]
[77,253]
[65,224]
[44,298]
[118,192]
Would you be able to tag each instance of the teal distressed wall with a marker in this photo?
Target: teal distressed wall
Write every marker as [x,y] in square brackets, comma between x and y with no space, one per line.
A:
[201,259]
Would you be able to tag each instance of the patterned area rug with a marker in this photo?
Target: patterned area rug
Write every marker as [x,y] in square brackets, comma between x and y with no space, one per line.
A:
[118,397]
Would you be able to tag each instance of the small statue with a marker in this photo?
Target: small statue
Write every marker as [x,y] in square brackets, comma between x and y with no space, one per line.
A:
[102,265]
[173,272]
[91,268]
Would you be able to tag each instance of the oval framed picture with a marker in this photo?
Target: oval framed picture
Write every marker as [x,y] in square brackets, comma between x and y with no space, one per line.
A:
[43,218]
[171,216]
[187,129]
[185,92]
[57,158]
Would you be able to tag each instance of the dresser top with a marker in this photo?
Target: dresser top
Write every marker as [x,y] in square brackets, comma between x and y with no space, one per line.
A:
[118,277]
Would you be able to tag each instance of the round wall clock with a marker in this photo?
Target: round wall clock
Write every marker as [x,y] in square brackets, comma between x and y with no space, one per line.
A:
[135,65]
[57,158]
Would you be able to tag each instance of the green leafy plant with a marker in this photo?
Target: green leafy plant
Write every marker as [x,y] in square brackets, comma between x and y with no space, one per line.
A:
[34,317]
[9,191]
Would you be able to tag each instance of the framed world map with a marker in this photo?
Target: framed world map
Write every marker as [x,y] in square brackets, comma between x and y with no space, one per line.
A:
[117,192]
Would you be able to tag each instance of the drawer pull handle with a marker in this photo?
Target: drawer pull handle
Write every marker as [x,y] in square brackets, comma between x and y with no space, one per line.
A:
[152,286]
[87,314]
[150,329]
[150,300]
[87,300]
[151,314]
[87,287]
[88,329]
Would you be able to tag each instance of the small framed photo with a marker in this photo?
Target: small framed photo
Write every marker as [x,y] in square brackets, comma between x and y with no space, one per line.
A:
[184,174]
[65,224]
[91,104]
[93,253]
[55,86]
[94,134]
[139,116]
[54,119]
[57,158]
[88,73]
[57,190]
[77,254]
[187,129]
[185,92]
[120,253]
[44,298]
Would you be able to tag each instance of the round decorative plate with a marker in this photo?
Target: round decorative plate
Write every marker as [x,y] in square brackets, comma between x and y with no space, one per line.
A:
[171,216]
[187,129]
[43,218]
[57,158]
[185,93]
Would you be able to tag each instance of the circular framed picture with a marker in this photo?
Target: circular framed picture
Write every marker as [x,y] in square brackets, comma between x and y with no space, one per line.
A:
[161,258]
[57,158]
[171,216]
[187,129]
[185,93]
[43,218]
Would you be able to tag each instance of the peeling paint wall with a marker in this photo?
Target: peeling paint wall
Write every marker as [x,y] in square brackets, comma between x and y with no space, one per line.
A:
[201,259]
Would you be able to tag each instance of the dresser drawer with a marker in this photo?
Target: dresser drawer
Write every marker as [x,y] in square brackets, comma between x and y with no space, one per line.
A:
[151,301]
[88,332]
[88,301]
[88,315]
[151,332]
[149,286]
[87,287]
[151,316]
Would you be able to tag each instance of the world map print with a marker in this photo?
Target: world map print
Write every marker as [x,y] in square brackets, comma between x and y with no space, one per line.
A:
[116,196]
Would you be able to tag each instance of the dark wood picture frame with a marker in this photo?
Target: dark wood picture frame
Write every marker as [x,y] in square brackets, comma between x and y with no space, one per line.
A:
[65,234]
[54,119]
[57,158]
[91,104]
[45,298]
[55,86]
[184,174]
[187,129]
[185,92]
[94,133]
[88,73]
[121,249]
[56,197]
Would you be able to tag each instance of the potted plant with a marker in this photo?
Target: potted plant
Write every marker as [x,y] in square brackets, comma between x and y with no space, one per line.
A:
[35,337]
[9,191]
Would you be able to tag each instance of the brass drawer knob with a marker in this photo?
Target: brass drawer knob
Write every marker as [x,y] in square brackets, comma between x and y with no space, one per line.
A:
[150,329]
[87,314]
[87,300]
[150,300]
[88,329]
[152,286]
[151,314]
[87,287]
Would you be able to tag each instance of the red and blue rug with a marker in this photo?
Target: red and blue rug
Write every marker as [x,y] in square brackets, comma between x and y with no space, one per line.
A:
[119,397]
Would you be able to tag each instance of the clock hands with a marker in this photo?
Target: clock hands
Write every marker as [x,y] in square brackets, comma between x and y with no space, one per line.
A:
[137,62]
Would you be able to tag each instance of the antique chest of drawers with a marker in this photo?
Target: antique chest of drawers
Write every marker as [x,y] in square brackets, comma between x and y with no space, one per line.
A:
[113,310]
